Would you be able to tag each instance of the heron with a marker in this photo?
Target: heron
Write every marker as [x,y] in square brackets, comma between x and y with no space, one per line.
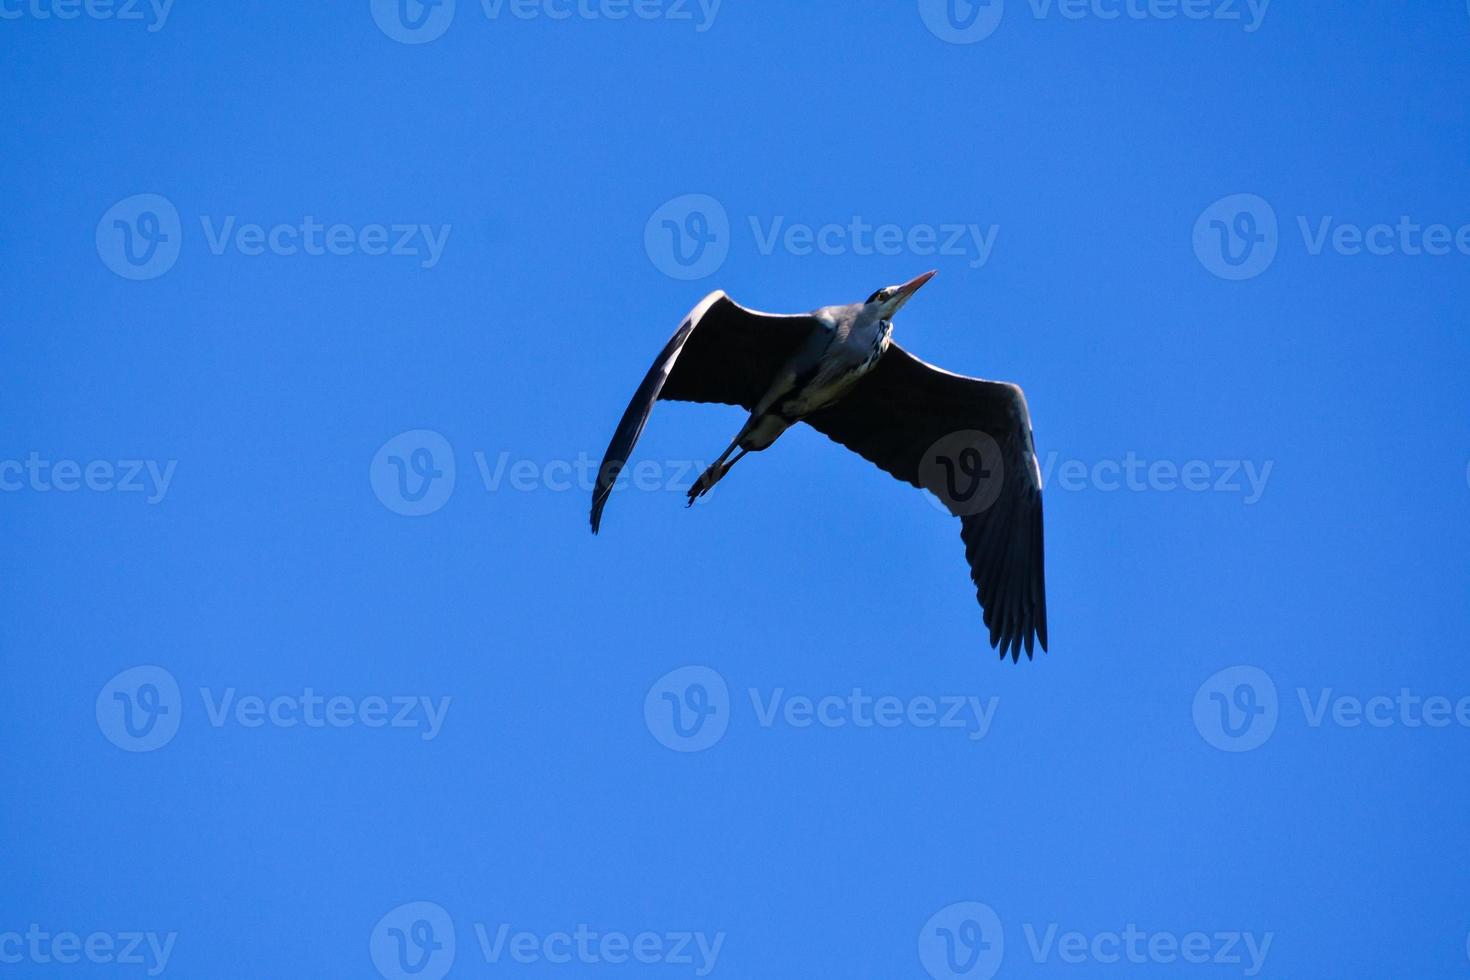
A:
[966,440]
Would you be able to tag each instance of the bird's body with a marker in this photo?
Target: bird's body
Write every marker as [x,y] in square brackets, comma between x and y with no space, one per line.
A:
[966,440]
[837,355]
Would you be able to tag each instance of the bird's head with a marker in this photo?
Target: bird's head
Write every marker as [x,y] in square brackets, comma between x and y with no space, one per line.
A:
[890,299]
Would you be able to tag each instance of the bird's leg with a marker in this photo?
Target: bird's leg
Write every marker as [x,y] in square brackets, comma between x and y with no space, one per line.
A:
[715,473]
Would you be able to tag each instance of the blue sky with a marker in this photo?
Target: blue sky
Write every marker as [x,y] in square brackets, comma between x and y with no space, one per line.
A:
[315,322]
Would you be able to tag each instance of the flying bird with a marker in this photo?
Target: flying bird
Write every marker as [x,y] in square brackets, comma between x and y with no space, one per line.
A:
[837,369]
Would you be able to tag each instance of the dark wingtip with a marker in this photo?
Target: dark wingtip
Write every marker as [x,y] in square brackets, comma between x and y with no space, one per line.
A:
[1010,644]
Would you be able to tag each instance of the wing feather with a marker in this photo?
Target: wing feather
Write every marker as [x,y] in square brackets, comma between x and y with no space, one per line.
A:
[921,423]
[722,352]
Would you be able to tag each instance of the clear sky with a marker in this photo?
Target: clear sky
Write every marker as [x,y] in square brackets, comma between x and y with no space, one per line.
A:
[317,316]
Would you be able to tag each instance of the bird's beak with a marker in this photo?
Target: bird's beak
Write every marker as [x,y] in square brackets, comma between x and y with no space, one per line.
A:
[907,290]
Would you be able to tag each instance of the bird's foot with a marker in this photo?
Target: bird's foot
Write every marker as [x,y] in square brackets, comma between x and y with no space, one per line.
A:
[706,481]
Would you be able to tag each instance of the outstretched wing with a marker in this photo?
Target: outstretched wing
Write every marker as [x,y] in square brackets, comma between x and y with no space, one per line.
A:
[969,443]
[722,352]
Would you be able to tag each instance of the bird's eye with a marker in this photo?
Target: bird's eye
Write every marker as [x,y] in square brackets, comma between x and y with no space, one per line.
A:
[880,296]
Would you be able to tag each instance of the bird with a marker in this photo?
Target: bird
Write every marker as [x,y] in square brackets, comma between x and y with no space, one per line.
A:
[966,440]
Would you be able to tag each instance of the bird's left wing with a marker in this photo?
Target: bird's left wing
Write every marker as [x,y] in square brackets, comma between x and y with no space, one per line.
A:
[969,443]
[722,352]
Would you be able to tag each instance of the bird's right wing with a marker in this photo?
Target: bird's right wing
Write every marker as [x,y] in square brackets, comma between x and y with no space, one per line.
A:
[968,442]
[722,352]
